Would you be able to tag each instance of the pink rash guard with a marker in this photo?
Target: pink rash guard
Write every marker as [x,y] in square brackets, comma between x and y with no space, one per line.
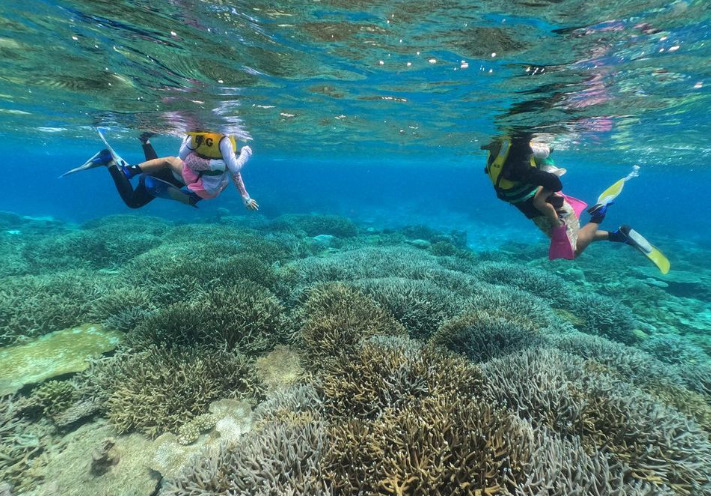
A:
[203,176]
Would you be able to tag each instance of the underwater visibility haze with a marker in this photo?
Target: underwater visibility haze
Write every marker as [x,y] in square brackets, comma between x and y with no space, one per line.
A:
[383,323]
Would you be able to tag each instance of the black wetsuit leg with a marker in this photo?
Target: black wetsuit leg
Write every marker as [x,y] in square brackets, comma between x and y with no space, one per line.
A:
[148,151]
[137,198]
[132,198]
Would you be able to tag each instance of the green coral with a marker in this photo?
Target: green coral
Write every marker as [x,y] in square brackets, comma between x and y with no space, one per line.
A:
[159,390]
[54,397]
[419,305]
[243,315]
[480,336]
[189,433]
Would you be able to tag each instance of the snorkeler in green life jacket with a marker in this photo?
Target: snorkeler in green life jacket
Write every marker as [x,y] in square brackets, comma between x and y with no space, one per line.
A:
[524,175]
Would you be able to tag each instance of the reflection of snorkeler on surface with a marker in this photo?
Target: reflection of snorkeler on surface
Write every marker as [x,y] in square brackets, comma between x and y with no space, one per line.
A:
[198,172]
[524,176]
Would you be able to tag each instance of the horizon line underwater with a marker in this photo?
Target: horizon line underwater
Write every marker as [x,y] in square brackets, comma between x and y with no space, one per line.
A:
[343,248]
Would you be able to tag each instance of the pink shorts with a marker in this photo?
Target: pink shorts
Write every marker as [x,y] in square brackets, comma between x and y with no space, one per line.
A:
[192,178]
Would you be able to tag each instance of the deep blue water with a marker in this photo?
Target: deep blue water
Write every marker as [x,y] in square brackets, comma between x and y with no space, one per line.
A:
[391,191]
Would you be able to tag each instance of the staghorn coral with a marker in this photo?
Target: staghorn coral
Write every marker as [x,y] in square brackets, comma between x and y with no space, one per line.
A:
[31,306]
[674,349]
[336,317]
[698,378]
[561,467]
[554,390]
[480,336]
[517,307]
[280,458]
[370,263]
[21,446]
[53,397]
[242,316]
[198,267]
[160,389]
[314,225]
[532,280]
[676,387]
[385,373]
[439,445]
[604,317]
[420,306]
[222,241]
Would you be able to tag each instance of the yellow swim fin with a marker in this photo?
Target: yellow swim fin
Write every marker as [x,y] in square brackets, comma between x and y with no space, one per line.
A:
[638,241]
[613,191]
[659,260]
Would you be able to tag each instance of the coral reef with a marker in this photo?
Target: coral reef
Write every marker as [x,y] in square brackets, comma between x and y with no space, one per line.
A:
[242,315]
[336,317]
[480,336]
[384,373]
[392,362]
[556,391]
[160,389]
[419,305]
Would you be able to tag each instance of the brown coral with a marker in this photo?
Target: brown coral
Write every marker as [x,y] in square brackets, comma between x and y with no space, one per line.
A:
[554,390]
[336,317]
[390,373]
[436,446]
[159,390]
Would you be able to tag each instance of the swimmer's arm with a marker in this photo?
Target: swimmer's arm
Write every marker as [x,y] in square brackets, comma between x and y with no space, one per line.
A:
[184,148]
[233,163]
[539,201]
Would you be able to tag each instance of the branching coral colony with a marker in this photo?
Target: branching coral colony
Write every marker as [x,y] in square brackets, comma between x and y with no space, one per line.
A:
[430,370]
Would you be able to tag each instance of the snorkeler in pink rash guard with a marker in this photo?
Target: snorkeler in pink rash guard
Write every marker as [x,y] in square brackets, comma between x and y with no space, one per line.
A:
[204,162]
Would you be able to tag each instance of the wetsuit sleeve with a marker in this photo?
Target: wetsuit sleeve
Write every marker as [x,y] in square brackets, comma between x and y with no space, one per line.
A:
[234,164]
[237,178]
[185,148]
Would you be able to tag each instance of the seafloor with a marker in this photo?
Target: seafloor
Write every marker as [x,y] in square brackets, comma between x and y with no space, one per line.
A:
[307,355]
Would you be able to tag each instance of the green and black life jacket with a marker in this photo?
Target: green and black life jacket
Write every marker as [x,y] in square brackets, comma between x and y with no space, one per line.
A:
[497,168]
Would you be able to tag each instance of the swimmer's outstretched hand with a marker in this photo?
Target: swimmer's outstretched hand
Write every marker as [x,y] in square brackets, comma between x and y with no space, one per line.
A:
[251,204]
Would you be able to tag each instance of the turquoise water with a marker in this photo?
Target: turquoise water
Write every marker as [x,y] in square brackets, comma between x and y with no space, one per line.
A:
[383,324]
